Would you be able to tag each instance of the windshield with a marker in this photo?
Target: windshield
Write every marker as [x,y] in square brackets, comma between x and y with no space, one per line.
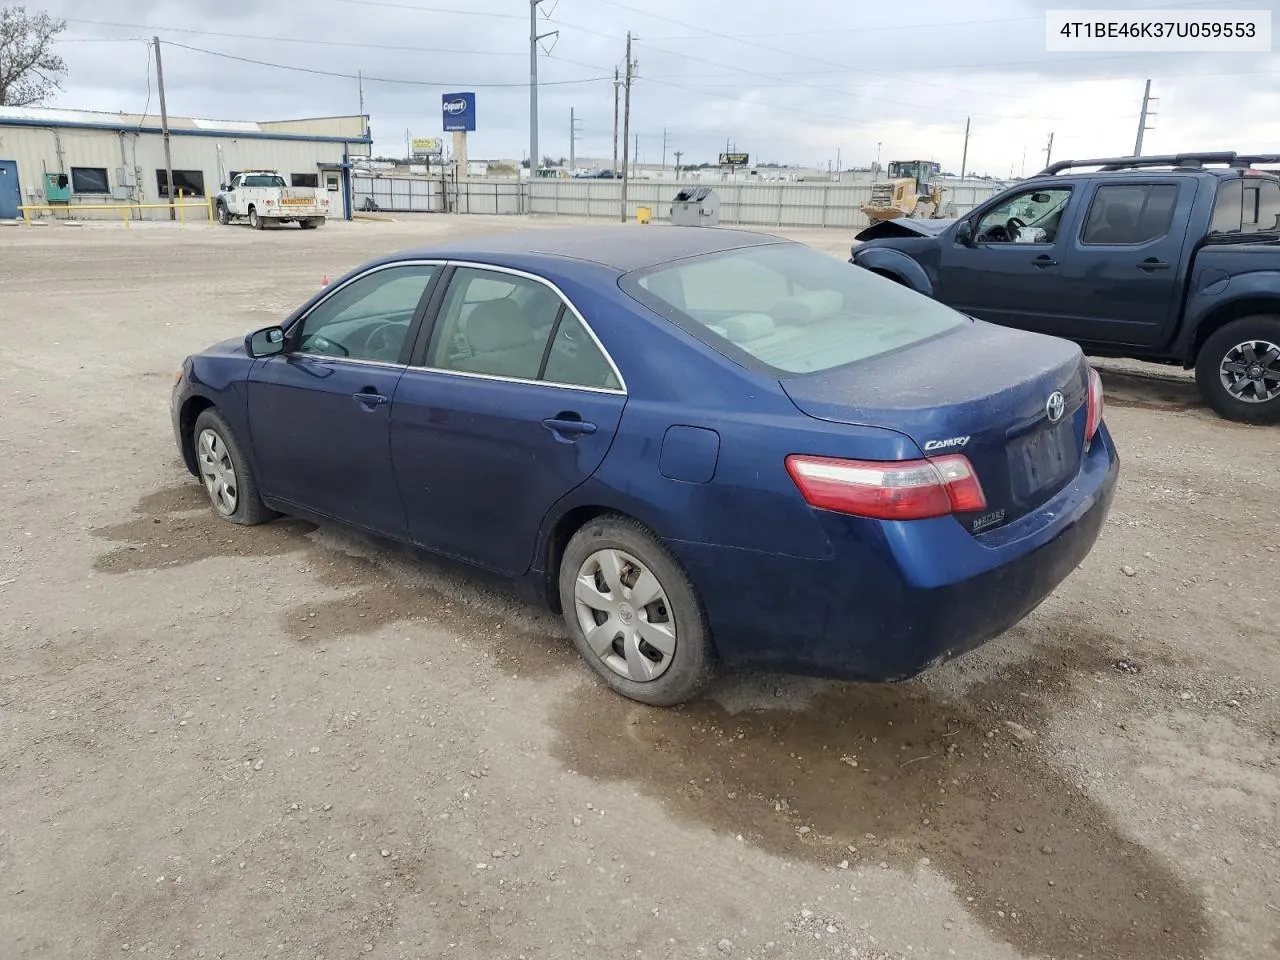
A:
[263,180]
[788,308]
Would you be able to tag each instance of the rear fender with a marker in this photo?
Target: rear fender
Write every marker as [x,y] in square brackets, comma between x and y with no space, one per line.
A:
[896,265]
[1220,301]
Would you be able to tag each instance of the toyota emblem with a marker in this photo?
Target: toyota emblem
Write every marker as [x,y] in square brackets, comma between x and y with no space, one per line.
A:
[1055,406]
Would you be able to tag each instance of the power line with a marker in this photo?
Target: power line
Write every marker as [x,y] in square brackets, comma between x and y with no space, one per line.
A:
[354,76]
[296,40]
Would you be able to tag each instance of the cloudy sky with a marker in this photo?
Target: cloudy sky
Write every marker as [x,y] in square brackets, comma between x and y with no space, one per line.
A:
[790,82]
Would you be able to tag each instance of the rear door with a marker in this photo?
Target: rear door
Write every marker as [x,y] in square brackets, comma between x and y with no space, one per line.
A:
[1012,273]
[1126,256]
[320,412]
[510,405]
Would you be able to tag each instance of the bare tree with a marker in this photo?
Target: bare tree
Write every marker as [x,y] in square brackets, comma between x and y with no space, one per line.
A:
[29,69]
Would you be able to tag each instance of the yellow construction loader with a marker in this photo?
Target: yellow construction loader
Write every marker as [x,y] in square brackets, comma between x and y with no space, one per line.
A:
[910,191]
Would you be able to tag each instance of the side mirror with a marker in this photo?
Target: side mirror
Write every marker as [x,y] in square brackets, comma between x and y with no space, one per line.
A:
[964,233]
[266,342]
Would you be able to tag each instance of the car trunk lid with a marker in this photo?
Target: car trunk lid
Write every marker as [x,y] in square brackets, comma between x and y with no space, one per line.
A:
[986,392]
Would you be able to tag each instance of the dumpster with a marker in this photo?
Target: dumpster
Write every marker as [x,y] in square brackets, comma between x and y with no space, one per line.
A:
[696,207]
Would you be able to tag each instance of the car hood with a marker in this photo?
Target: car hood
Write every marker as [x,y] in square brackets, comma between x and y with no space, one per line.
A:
[904,227]
[226,348]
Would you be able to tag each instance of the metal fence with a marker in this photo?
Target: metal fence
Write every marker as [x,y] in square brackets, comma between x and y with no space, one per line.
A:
[743,204]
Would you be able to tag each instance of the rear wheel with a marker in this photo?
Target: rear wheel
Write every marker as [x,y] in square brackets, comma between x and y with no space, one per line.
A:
[633,613]
[1238,370]
[310,223]
[255,221]
[225,472]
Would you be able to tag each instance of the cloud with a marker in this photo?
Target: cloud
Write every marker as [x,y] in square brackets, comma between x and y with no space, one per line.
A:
[793,82]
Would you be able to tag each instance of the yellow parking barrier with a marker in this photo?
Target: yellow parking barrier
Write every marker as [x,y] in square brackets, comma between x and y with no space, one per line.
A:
[180,205]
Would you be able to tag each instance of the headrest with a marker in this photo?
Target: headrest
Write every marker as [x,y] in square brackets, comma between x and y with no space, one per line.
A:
[747,326]
[497,325]
[808,308]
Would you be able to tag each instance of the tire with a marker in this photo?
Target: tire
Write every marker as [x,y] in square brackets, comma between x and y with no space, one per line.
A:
[224,216]
[256,221]
[309,224]
[1246,354]
[219,458]
[688,663]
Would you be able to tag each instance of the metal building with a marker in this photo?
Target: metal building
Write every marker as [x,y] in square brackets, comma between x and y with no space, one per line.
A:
[76,160]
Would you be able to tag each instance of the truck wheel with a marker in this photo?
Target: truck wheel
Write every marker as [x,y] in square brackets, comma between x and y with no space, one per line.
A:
[310,223]
[255,221]
[1238,370]
[224,217]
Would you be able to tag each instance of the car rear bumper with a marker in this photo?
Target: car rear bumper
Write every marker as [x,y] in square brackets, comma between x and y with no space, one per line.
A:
[903,598]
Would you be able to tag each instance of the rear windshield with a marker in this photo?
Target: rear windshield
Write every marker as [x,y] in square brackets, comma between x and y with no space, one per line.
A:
[788,308]
[263,180]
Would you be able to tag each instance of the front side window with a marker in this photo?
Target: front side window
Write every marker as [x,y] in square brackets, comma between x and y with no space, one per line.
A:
[368,318]
[788,309]
[1032,216]
[90,180]
[1130,213]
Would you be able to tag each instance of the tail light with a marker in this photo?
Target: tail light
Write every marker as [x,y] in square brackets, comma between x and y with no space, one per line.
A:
[1094,420]
[889,490]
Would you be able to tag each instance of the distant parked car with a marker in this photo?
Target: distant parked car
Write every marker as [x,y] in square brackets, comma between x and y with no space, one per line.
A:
[1171,259]
[700,445]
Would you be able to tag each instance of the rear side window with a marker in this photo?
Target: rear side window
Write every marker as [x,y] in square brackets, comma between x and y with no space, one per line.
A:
[1247,205]
[1130,213]
[787,309]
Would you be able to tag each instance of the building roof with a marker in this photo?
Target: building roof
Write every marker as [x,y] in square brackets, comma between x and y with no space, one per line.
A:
[186,126]
[619,247]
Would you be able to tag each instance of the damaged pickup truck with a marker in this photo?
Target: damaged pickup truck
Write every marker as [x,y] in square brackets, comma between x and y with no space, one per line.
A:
[1169,259]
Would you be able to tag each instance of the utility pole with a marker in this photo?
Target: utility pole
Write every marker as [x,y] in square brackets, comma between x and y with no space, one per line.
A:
[534,37]
[164,128]
[964,157]
[1048,151]
[876,174]
[1147,100]
[617,84]
[1024,161]
[573,141]
[626,128]
[679,154]
[360,80]
[666,138]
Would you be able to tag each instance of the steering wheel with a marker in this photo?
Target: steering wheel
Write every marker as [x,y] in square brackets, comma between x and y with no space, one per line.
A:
[383,341]
[1012,226]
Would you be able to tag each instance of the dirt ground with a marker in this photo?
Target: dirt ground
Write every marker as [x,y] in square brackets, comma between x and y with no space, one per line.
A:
[291,742]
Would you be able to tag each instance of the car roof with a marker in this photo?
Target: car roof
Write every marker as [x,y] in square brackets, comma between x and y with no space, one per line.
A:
[619,247]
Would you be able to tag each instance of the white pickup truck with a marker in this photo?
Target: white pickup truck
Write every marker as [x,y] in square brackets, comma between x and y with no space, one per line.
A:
[264,198]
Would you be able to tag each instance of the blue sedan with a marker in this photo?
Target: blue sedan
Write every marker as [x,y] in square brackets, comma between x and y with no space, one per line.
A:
[703,447]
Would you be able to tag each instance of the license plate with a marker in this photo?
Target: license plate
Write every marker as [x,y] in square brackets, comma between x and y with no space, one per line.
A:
[294,202]
[1042,460]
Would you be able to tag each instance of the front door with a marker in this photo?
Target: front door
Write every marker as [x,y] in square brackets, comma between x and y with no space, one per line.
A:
[320,412]
[513,405]
[1012,272]
[1127,252]
[10,192]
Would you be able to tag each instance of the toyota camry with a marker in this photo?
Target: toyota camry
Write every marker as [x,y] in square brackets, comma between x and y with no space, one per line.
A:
[704,447]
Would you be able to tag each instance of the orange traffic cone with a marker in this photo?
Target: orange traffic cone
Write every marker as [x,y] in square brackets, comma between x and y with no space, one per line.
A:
[325,281]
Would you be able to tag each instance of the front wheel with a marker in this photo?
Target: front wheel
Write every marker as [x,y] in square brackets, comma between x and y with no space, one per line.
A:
[1238,370]
[633,613]
[226,474]
[224,215]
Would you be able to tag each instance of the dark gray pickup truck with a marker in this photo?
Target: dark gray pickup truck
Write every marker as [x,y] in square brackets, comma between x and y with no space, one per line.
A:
[1171,259]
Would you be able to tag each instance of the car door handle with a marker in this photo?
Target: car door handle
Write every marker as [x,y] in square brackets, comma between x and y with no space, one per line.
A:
[1151,263]
[368,399]
[1044,261]
[569,426]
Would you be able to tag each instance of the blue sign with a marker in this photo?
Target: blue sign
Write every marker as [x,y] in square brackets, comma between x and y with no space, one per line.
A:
[459,111]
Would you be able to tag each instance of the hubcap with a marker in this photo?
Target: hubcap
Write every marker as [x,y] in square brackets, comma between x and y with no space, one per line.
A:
[218,472]
[624,613]
[1251,371]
